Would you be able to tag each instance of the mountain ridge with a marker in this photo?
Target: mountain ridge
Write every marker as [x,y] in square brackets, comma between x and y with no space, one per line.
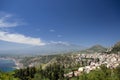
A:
[96,48]
[51,48]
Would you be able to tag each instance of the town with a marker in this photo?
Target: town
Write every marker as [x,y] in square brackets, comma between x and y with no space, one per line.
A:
[94,61]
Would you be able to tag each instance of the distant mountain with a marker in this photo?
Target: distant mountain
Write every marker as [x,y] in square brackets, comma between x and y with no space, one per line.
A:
[93,49]
[54,48]
[51,48]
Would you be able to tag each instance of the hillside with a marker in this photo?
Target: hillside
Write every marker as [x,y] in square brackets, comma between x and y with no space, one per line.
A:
[93,49]
[116,48]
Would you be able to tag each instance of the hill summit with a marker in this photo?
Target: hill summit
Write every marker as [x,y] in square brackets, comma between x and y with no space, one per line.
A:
[95,48]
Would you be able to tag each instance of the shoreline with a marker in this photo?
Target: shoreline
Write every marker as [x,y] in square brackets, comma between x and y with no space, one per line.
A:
[18,65]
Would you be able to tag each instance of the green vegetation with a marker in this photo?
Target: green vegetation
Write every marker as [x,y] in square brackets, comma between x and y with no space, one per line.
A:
[66,59]
[25,74]
[56,72]
[7,76]
[100,74]
[52,72]
[116,48]
[38,59]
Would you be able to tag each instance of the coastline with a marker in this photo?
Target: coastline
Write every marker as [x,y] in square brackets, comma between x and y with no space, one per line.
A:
[18,65]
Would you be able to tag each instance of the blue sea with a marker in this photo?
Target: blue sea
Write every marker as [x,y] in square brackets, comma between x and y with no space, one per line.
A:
[7,65]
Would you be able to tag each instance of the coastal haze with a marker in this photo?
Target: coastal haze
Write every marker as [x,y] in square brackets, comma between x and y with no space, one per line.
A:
[50,48]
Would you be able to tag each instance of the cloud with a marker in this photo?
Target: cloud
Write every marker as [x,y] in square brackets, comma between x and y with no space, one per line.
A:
[7,20]
[18,38]
[59,36]
[59,42]
[52,30]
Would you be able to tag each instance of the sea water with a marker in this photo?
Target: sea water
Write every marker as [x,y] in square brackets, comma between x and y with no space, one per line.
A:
[7,65]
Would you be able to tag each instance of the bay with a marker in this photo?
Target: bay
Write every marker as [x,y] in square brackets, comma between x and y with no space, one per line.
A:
[7,65]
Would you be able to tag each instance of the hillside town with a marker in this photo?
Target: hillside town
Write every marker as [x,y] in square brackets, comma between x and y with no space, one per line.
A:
[94,61]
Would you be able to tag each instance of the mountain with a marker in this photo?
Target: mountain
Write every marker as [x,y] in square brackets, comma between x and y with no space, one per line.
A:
[116,48]
[93,49]
[54,48]
[51,48]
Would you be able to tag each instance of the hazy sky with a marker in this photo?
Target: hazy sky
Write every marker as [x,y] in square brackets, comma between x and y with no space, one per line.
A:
[82,22]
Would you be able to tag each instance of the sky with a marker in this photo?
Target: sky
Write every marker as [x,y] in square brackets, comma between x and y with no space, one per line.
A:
[39,22]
